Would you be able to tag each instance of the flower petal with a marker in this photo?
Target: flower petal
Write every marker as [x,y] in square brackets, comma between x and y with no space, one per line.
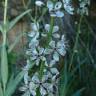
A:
[55,29]
[26,77]
[59,14]
[32,34]
[56,35]
[43,91]
[52,14]
[35,26]
[39,3]
[52,63]
[54,71]
[32,88]
[47,27]
[62,51]
[35,78]
[50,5]
[33,92]
[41,50]
[23,88]
[33,43]
[37,61]
[58,5]
[52,44]
[56,56]
[69,9]
[48,51]
[44,35]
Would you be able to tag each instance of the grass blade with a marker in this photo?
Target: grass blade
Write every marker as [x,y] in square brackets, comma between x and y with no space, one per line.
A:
[4,66]
[1,91]
[1,28]
[78,93]
[11,88]
[13,22]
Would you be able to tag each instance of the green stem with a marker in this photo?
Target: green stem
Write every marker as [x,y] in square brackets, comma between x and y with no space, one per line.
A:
[5,11]
[50,31]
[49,39]
[4,61]
[76,43]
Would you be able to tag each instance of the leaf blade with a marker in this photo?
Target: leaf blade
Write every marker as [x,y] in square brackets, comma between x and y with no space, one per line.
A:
[1,91]
[13,22]
[13,84]
[4,66]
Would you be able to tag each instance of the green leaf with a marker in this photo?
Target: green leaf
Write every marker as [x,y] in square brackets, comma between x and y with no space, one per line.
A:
[1,91]
[12,85]
[15,42]
[78,93]
[14,21]
[4,66]
[1,28]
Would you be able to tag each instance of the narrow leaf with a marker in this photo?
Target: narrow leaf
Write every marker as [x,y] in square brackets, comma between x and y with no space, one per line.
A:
[4,66]
[78,93]
[1,28]
[1,91]
[14,21]
[11,88]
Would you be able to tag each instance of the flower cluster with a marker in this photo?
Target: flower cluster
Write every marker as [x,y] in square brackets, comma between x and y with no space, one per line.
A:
[44,80]
[83,7]
[48,56]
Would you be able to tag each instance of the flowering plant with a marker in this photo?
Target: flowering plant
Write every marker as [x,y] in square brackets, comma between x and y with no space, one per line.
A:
[45,57]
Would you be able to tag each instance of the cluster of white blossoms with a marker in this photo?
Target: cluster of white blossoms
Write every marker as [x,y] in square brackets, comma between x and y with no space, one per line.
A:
[44,59]
[83,4]
[48,56]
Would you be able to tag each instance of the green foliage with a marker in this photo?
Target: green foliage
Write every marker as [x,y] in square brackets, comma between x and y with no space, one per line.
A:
[13,82]
[4,66]
[1,91]
[8,85]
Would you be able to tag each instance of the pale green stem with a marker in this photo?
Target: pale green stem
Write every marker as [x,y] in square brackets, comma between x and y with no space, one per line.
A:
[5,30]
[49,39]
[5,11]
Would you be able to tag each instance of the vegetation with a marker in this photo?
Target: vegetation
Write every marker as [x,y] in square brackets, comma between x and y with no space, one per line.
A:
[59,61]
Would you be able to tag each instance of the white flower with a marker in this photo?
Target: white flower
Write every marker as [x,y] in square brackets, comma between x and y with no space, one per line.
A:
[68,7]
[34,26]
[35,30]
[50,69]
[34,35]
[40,83]
[57,49]
[27,67]
[83,11]
[27,87]
[55,10]
[26,78]
[33,43]
[53,88]
[39,3]
[54,32]
[37,55]
[83,7]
